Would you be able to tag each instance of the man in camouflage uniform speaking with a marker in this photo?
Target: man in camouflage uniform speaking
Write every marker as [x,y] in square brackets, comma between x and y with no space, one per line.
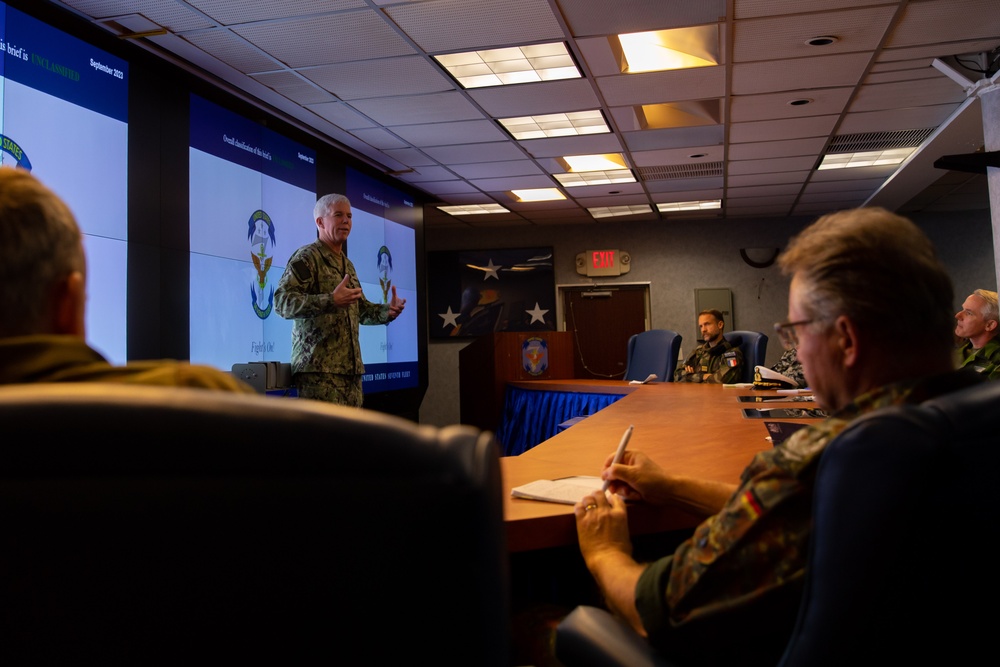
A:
[730,593]
[320,291]
[715,360]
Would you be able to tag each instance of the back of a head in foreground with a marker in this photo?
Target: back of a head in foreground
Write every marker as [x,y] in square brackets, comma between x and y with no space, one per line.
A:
[882,271]
[42,245]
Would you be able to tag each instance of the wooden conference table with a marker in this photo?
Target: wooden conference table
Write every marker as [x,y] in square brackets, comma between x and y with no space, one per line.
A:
[693,429]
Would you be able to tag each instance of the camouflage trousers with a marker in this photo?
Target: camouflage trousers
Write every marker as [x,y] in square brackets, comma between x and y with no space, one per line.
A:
[339,389]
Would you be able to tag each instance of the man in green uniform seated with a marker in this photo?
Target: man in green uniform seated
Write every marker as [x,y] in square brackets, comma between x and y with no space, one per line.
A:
[729,594]
[978,325]
[44,291]
[715,360]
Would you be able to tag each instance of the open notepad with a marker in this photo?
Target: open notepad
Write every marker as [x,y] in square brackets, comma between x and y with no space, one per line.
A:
[566,490]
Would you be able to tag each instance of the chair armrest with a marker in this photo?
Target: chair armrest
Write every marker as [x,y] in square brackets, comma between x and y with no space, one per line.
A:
[592,637]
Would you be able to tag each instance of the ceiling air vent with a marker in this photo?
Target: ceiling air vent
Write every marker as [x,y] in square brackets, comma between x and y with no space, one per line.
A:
[669,172]
[878,141]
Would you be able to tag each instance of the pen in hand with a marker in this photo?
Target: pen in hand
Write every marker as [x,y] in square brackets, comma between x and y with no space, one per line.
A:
[619,453]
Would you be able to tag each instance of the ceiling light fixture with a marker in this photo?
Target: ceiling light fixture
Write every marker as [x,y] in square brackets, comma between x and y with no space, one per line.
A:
[596,162]
[865,158]
[555,125]
[473,209]
[698,205]
[604,177]
[511,65]
[658,50]
[616,211]
[537,194]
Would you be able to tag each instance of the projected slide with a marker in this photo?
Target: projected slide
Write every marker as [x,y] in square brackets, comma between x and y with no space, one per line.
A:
[252,193]
[64,116]
[383,249]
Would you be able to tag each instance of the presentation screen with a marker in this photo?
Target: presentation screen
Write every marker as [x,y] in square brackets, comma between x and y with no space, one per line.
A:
[64,117]
[382,247]
[252,193]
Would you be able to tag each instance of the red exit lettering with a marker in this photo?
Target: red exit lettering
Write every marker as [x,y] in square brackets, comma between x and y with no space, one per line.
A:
[603,259]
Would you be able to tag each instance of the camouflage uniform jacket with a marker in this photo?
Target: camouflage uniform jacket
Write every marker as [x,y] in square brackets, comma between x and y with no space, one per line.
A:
[324,337]
[730,593]
[985,360]
[723,361]
[60,358]
[789,366]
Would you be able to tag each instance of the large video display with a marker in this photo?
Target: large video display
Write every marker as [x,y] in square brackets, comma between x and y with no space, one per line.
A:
[382,247]
[252,193]
[64,116]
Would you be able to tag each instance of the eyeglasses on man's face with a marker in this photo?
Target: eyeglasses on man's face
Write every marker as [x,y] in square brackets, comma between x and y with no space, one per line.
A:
[786,332]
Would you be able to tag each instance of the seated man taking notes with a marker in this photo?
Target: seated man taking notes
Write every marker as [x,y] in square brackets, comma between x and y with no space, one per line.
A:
[729,594]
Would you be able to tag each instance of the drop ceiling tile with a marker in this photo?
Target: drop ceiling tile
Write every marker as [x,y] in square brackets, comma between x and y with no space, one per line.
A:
[771,106]
[748,180]
[675,137]
[411,157]
[427,173]
[341,115]
[896,119]
[769,76]
[678,156]
[454,25]
[776,130]
[700,83]
[941,90]
[674,185]
[775,164]
[586,17]
[514,183]
[744,9]
[299,90]
[447,134]
[379,138]
[946,22]
[355,35]
[229,12]
[776,38]
[408,75]
[501,169]
[771,149]
[531,99]
[417,109]
[586,144]
[787,189]
[472,153]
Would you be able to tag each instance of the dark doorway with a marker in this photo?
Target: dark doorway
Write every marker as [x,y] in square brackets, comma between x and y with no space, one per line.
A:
[602,319]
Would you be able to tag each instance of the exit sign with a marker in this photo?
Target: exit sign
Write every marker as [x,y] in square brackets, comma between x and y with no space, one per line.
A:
[611,262]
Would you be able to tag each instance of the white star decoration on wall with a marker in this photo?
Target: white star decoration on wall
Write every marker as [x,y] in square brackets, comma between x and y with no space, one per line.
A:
[491,270]
[449,318]
[537,315]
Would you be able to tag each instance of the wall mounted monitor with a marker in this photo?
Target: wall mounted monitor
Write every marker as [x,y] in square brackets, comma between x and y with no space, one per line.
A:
[382,246]
[64,116]
[252,193]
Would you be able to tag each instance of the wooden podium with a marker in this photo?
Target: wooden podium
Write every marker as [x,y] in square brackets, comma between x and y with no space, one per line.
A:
[486,365]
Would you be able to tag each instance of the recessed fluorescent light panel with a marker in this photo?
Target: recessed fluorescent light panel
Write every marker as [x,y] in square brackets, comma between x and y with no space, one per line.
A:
[865,159]
[599,162]
[700,205]
[473,209]
[555,125]
[615,211]
[681,48]
[595,178]
[511,65]
[537,194]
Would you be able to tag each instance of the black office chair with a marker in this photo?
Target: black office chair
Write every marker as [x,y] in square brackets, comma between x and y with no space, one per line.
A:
[653,352]
[753,345]
[899,571]
[159,525]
